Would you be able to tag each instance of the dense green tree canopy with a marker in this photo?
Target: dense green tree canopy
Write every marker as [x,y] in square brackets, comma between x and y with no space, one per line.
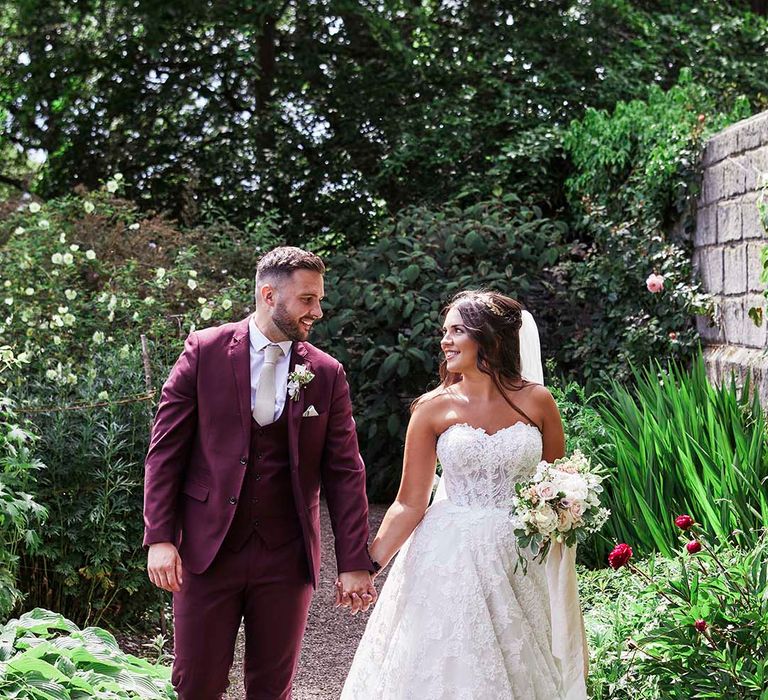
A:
[336,112]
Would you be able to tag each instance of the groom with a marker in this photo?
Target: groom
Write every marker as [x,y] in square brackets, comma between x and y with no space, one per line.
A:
[252,420]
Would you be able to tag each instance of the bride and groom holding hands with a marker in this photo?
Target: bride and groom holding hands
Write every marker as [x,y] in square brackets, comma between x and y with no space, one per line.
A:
[253,420]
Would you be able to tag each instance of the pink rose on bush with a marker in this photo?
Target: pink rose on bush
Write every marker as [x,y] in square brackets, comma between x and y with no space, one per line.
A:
[655,283]
[693,547]
[700,625]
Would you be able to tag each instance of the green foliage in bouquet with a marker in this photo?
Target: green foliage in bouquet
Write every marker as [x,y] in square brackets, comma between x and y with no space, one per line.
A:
[44,656]
[384,302]
[676,443]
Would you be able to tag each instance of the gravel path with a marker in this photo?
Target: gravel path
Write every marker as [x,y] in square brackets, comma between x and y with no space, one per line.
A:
[331,637]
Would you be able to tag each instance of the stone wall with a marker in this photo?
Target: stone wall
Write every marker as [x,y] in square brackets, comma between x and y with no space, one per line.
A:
[728,241]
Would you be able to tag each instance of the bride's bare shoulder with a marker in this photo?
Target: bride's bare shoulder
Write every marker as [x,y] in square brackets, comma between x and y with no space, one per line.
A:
[437,400]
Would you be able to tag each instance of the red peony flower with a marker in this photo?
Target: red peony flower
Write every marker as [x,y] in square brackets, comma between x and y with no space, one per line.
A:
[700,625]
[693,547]
[684,522]
[620,555]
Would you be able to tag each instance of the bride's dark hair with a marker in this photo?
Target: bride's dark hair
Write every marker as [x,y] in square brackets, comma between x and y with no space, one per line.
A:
[493,321]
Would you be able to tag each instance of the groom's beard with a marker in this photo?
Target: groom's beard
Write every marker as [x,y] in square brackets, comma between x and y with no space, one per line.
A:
[290,327]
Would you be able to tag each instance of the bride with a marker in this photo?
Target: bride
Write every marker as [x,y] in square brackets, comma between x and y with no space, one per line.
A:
[457,619]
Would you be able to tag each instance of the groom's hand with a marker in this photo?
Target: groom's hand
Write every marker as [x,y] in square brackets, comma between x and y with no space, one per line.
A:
[164,566]
[355,590]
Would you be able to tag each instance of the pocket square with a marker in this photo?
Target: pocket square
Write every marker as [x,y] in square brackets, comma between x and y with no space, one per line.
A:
[310,413]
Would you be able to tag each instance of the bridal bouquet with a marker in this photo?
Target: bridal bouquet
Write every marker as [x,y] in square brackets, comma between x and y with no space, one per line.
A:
[561,503]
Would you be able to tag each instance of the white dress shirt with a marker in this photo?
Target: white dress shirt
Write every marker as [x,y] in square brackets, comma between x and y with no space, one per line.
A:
[258,341]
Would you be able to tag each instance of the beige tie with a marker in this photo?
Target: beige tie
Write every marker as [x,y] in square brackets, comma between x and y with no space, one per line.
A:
[264,410]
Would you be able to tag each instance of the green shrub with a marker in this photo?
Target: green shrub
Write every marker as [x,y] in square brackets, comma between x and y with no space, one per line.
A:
[635,180]
[45,656]
[20,514]
[82,278]
[384,302]
[676,444]
[710,639]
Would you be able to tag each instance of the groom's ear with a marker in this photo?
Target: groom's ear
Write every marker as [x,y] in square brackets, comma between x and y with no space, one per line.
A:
[265,293]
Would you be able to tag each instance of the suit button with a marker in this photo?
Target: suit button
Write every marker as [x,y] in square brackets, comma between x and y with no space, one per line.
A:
[257,477]
[256,523]
[232,501]
[243,460]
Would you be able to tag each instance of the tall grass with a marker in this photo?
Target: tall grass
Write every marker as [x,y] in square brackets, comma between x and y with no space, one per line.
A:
[677,444]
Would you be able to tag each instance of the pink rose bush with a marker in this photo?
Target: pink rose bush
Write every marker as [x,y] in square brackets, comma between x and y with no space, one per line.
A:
[560,504]
[654,283]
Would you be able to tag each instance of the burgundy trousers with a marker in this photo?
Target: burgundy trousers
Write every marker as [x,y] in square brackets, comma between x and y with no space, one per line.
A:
[271,592]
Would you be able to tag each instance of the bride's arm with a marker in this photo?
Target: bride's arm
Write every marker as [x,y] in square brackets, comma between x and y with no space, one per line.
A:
[415,487]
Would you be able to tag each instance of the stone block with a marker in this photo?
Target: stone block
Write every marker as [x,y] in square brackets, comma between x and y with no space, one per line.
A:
[756,168]
[734,176]
[706,226]
[710,329]
[735,269]
[720,146]
[755,267]
[723,360]
[751,223]
[713,182]
[754,336]
[752,132]
[728,222]
[734,315]
[709,264]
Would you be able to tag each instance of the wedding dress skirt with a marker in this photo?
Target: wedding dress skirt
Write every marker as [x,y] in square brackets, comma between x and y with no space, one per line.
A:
[456,618]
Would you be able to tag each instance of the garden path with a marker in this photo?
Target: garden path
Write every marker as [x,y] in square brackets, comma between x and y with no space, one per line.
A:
[331,637]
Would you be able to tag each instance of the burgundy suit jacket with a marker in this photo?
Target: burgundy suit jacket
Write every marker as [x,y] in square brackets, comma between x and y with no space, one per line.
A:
[199,448]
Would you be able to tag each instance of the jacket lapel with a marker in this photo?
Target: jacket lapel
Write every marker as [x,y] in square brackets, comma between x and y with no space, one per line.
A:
[296,408]
[240,356]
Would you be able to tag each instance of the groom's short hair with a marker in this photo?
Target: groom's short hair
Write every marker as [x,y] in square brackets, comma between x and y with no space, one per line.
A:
[282,262]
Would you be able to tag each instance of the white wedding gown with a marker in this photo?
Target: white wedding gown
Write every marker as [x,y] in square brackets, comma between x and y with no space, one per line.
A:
[455,619]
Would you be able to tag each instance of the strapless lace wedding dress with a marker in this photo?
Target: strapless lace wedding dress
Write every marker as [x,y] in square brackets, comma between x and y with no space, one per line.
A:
[455,620]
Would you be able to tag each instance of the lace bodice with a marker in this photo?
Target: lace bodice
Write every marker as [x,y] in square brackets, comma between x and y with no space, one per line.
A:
[481,469]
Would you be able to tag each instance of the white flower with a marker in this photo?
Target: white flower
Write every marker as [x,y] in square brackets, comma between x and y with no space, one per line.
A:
[50,374]
[68,259]
[44,224]
[9,301]
[160,273]
[226,304]
[90,254]
[98,337]
[89,207]
[18,230]
[29,291]
[134,227]
[17,434]
[149,300]
[201,300]
[191,284]
[57,340]
[192,273]
[71,378]
[112,186]
[546,490]
[57,259]
[69,319]
[299,378]
[62,238]
[70,294]
[103,396]
[117,177]
[34,207]
[124,351]
[545,519]
[206,313]
[74,247]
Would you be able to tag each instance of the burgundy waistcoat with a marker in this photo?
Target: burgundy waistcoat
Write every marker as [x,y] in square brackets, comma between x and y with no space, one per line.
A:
[266,504]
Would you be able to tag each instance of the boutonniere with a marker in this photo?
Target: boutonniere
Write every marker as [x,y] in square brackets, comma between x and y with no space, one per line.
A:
[298,379]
